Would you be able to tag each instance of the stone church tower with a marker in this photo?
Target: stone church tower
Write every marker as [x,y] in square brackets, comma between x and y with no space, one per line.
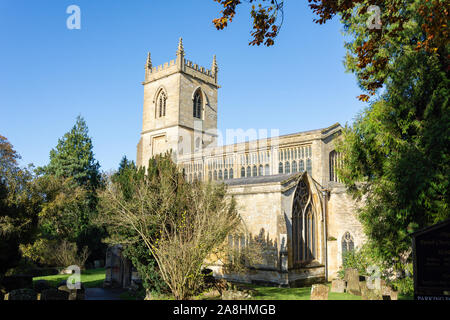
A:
[180,108]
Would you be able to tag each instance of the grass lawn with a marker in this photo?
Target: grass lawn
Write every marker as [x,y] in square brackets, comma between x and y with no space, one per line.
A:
[275,293]
[92,278]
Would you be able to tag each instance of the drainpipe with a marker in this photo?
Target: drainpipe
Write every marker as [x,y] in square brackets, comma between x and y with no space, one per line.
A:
[324,196]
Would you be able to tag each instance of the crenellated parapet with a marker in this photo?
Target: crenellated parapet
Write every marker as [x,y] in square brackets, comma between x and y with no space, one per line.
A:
[181,64]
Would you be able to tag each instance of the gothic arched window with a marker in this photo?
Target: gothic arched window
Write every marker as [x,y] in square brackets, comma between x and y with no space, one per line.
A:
[255,171]
[249,171]
[294,166]
[267,170]
[209,176]
[231,173]
[280,168]
[220,174]
[242,172]
[303,225]
[347,244]
[197,108]
[287,167]
[225,174]
[260,170]
[161,102]
[215,174]
[302,166]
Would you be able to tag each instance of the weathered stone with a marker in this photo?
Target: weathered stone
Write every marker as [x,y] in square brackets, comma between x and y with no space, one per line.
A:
[53,294]
[338,285]
[394,295]
[74,294]
[352,278]
[21,294]
[214,293]
[41,285]
[369,294]
[235,295]
[319,292]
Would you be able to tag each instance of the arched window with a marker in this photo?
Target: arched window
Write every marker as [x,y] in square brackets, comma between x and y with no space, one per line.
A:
[249,171]
[225,174]
[294,166]
[161,102]
[303,225]
[255,171]
[209,176]
[347,244]
[261,170]
[197,108]
[267,170]
[335,163]
[287,167]
[199,176]
[215,174]
[242,172]
[302,166]
[231,173]
[309,166]
[220,174]
[190,177]
[280,168]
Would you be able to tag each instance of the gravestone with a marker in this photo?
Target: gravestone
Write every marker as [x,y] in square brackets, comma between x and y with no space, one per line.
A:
[338,285]
[369,294]
[431,260]
[352,278]
[74,294]
[118,269]
[319,292]
[98,264]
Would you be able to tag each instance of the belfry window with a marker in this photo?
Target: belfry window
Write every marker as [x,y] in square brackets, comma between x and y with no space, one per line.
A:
[161,102]
[197,108]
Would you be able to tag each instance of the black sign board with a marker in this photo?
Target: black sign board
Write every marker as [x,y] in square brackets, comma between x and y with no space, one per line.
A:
[431,254]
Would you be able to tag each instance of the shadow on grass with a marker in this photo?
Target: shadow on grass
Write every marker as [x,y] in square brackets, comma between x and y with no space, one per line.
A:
[92,278]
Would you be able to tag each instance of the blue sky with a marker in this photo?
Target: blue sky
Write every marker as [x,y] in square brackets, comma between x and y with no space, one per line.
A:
[50,74]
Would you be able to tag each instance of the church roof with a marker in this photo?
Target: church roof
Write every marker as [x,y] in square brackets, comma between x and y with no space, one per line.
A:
[260,180]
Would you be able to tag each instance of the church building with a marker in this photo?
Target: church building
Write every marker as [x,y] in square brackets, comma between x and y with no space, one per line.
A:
[286,187]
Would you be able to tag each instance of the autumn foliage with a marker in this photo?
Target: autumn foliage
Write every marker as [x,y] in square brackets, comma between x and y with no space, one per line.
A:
[372,48]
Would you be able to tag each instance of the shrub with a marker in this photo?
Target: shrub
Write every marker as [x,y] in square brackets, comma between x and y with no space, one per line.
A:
[55,253]
[359,259]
